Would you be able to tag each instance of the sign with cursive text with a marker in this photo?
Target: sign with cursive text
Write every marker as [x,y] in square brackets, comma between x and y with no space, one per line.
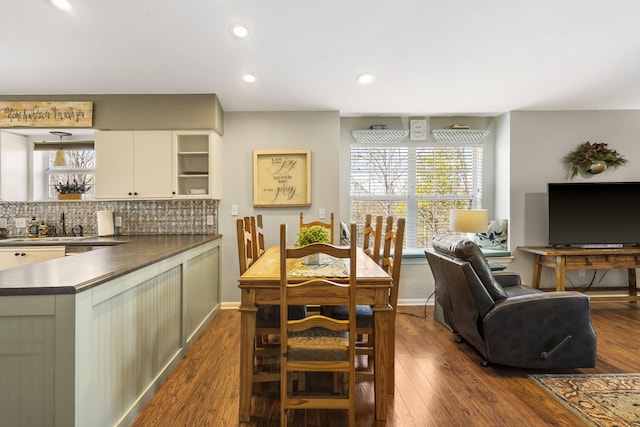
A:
[45,114]
[281,178]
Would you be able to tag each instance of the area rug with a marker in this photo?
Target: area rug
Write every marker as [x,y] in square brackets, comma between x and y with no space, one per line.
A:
[611,400]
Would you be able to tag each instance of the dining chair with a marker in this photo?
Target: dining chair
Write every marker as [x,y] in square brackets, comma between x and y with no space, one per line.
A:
[257,235]
[375,234]
[317,343]
[265,355]
[245,244]
[327,225]
[391,263]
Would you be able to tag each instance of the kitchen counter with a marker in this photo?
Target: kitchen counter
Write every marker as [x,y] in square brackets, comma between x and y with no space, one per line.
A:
[82,271]
[87,339]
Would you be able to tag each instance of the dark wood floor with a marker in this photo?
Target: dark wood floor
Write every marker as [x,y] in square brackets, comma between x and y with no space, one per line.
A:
[438,382]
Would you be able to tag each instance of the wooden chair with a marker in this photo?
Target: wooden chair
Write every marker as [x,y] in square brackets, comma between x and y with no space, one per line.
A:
[327,225]
[257,236]
[245,244]
[317,343]
[374,234]
[267,317]
[391,263]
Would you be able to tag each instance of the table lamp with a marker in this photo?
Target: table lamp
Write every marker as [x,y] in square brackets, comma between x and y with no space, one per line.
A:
[468,220]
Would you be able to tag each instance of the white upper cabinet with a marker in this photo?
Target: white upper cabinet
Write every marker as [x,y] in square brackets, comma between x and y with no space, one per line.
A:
[197,164]
[134,164]
[13,167]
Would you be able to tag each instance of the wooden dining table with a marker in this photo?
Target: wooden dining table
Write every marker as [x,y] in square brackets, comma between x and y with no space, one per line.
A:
[260,285]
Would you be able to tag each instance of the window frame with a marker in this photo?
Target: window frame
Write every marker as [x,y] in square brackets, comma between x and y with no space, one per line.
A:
[412,199]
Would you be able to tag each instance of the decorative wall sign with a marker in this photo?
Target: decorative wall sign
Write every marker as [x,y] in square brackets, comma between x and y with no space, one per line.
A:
[281,178]
[418,130]
[45,114]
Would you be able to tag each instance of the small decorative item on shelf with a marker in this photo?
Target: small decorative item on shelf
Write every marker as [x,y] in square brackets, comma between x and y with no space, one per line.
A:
[592,159]
[71,190]
[313,234]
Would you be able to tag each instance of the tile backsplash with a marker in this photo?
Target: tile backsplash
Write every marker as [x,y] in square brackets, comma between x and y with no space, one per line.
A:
[138,216]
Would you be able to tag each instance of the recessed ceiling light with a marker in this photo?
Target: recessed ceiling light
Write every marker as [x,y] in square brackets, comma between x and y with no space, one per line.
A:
[249,78]
[239,31]
[62,5]
[365,78]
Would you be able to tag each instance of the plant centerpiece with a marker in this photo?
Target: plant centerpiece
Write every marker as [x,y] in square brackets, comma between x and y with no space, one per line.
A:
[592,158]
[313,234]
[71,190]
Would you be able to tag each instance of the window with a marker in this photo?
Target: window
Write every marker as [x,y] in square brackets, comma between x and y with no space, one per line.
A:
[420,182]
[79,166]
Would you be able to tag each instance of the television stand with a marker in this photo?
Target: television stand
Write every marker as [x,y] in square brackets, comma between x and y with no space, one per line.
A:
[599,246]
[568,258]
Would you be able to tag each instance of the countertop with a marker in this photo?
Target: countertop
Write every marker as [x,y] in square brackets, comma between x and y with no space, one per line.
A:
[110,257]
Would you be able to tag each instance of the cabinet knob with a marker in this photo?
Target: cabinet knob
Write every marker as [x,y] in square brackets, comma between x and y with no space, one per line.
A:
[130,193]
[19,254]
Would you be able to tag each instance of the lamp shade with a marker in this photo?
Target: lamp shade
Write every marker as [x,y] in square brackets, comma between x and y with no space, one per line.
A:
[468,220]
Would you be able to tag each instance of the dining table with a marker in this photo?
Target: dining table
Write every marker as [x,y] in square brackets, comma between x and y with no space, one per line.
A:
[260,285]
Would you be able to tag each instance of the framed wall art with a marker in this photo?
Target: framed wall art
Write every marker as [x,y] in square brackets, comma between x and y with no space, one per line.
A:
[281,178]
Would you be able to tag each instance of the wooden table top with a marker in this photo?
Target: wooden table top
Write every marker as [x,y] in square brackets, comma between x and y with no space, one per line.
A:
[266,271]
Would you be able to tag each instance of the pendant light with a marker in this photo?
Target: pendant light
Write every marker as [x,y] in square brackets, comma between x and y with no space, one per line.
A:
[60,157]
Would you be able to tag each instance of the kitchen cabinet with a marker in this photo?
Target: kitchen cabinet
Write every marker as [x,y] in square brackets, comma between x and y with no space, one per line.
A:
[13,171]
[197,164]
[11,257]
[134,164]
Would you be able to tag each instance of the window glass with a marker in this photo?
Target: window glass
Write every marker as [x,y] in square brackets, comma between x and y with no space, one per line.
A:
[420,182]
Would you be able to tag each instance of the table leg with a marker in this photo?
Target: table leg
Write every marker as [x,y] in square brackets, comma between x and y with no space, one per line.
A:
[631,276]
[560,271]
[248,311]
[391,362]
[537,272]
[382,320]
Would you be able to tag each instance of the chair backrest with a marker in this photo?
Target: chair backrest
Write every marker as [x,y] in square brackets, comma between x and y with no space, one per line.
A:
[372,234]
[391,263]
[245,244]
[317,351]
[327,225]
[257,236]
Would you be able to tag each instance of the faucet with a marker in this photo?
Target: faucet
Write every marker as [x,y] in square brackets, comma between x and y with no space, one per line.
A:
[63,226]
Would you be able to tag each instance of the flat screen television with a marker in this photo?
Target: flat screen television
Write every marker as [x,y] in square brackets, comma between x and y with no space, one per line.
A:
[602,214]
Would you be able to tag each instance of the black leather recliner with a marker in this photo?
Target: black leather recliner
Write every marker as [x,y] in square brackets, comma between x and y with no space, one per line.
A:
[509,324]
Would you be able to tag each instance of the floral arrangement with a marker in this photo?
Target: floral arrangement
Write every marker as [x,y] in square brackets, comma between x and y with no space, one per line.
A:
[74,187]
[588,154]
[313,234]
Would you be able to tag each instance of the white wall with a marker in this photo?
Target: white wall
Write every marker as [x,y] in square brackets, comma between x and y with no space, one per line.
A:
[538,142]
[246,131]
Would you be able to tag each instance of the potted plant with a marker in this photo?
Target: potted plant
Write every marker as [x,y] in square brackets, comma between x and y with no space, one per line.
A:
[71,190]
[313,234]
[592,158]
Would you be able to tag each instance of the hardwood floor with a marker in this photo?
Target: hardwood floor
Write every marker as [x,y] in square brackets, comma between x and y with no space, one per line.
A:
[438,382]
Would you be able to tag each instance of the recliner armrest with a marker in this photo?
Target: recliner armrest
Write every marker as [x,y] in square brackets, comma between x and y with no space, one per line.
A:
[507,278]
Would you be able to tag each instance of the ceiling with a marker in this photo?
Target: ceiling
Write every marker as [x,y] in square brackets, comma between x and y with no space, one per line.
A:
[447,57]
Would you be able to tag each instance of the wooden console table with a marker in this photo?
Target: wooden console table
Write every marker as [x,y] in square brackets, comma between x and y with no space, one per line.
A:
[563,259]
